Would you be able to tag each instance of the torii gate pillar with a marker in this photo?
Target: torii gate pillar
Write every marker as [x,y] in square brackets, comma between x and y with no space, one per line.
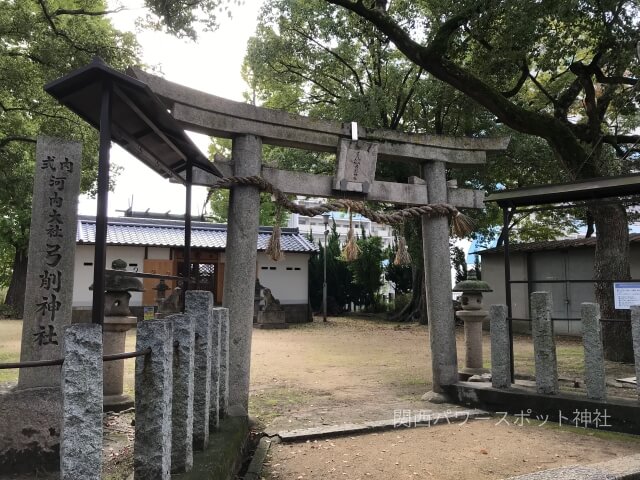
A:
[437,271]
[240,269]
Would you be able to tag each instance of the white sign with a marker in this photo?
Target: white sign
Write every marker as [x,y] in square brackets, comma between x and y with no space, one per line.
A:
[626,294]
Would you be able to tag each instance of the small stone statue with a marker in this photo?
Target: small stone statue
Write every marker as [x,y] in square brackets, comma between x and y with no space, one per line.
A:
[172,304]
[271,303]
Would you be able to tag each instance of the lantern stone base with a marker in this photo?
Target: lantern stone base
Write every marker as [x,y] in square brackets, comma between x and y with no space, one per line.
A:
[473,341]
[115,337]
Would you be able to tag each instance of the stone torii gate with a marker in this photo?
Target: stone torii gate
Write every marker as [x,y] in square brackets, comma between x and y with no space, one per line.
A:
[250,127]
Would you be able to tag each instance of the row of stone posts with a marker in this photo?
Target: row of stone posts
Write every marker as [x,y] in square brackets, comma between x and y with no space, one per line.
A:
[181,391]
[546,367]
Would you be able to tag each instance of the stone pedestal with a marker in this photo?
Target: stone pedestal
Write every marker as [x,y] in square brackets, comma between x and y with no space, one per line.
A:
[30,422]
[473,340]
[115,336]
[272,319]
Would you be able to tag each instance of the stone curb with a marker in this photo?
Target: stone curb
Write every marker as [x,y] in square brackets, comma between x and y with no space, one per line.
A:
[427,420]
[255,467]
[625,468]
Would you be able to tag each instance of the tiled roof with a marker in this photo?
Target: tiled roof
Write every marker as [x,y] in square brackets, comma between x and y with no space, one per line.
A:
[170,233]
[552,245]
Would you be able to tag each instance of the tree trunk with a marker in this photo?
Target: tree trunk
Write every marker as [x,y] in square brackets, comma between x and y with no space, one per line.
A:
[611,263]
[416,308]
[18,284]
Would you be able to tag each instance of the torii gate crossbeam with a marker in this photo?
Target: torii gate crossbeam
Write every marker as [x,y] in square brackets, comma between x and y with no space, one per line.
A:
[250,127]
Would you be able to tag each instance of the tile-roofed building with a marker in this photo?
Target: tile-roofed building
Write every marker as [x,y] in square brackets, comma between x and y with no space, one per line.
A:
[154,232]
[155,245]
[553,245]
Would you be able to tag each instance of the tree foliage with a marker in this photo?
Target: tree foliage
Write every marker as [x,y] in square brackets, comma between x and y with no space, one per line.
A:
[565,72]
[41,41]
[367,269]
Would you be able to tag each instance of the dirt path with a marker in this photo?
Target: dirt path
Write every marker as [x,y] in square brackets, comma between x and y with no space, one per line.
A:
[342,371]
[478,450]
[354,370]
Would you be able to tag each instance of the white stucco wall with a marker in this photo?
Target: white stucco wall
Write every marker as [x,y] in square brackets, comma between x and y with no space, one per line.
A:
[287,279]
[83,270]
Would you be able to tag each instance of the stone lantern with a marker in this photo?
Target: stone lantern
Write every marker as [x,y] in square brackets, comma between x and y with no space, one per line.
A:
[472,314]
[117,321]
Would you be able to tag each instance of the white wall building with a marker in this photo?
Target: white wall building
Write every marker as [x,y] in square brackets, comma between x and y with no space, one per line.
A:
[152,245]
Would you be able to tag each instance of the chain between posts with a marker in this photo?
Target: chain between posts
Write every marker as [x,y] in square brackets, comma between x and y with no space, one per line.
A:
[60,361]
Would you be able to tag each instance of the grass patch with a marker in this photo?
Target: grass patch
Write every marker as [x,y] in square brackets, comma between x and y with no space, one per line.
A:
[601,433]
[270,403]
[10,340]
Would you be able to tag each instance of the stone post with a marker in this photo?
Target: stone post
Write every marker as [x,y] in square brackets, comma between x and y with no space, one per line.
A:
[240,270]
[81,439]
[544,344]
[52,245]
[221,317]
[594,374]
[199,304]
[635,333]
[154,389]
[182,402]
[500,351]
[437,268]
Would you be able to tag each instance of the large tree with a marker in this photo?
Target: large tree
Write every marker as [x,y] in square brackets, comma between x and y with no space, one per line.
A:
[310,59]
[563,71]
[41,41]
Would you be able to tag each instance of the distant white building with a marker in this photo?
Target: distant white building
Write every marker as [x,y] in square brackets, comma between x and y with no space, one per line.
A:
[315,225]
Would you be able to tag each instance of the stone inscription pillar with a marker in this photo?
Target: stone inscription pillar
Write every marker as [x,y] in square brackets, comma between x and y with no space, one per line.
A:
[240,270]
[52,245]
[437,271]
[81,439]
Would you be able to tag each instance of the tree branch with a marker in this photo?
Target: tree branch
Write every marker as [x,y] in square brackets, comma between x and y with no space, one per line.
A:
[82,11]
[524,74]
[335,55]
[590,102]
[434,60]
[400,111]
[292,69]
[15,138]
[618,139]
[61,33]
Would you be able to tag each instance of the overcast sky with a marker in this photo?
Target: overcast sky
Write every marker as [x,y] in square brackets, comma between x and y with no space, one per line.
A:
[211,65]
